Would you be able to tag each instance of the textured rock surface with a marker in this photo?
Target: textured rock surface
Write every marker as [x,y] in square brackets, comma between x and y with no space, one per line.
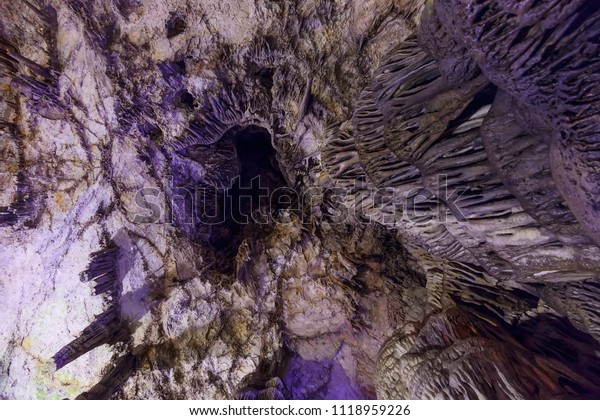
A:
[434,167]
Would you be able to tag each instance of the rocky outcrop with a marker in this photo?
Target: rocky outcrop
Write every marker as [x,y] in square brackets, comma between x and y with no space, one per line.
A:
[457,356]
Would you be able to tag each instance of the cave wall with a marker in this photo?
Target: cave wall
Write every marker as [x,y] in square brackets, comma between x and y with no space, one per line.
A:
[440,239]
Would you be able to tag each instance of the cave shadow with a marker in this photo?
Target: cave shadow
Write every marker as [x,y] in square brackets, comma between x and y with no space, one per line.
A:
[255,194]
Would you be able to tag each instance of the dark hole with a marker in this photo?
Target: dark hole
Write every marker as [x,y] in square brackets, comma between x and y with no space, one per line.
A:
[266,77]
[255,193]
[239,196]
[259,173]
[175,26]
[186,99]
[181,65]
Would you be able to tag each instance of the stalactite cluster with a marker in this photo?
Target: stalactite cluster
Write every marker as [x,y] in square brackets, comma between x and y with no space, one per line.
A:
[108,327]
[305,199]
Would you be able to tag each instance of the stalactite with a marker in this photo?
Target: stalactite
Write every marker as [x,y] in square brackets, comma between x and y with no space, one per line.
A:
[37,82]
[455,353]
[454,169]
[23,210]
[107,328]
[102,270]
[112,381]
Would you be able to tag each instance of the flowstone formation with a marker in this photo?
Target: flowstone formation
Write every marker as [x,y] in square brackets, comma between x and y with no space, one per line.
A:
[305,199]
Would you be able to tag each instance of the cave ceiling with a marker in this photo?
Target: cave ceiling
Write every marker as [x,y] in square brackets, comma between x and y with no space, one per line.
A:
[308,199]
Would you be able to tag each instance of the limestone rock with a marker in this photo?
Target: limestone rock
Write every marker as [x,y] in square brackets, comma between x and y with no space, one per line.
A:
[305,199]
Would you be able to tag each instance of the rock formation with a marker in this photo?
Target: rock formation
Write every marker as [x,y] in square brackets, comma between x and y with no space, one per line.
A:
[305,199]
